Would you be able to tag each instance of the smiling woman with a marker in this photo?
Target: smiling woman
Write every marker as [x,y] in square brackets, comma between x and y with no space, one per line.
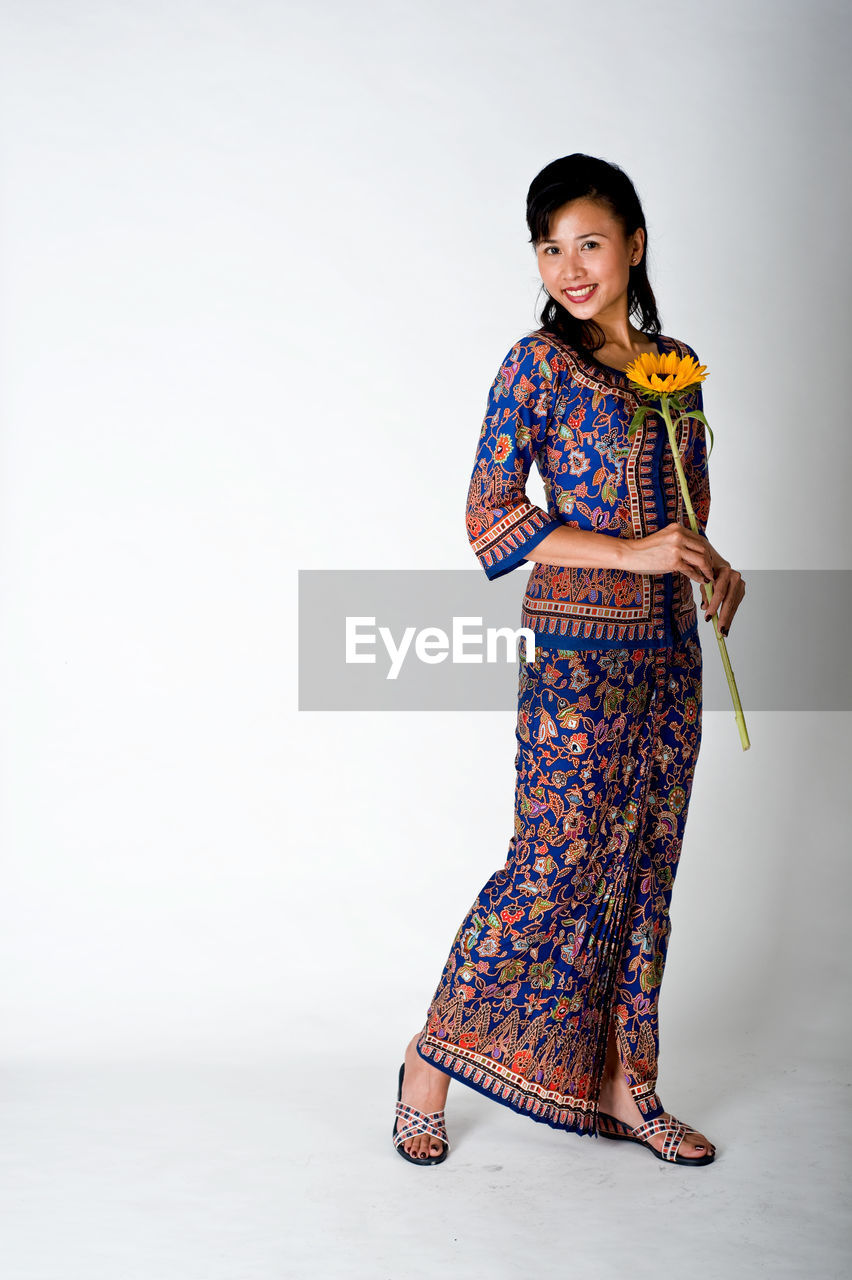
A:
[585,263]
[548,999]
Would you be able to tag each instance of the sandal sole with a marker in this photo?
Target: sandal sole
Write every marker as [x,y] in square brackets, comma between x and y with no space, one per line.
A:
[626,1137]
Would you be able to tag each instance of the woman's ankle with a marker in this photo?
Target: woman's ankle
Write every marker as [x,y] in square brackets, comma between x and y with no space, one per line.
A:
[610,1080]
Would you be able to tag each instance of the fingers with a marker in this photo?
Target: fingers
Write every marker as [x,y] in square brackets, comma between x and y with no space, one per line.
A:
[696,554]
[722,587]
[696,564]
[725,597]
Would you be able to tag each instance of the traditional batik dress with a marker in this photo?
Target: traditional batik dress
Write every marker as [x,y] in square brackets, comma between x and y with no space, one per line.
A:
[572,931]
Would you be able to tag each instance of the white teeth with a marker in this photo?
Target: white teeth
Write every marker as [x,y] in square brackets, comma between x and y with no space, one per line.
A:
[581,293]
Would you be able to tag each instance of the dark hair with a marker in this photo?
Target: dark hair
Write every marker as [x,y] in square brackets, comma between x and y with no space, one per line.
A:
[578,177]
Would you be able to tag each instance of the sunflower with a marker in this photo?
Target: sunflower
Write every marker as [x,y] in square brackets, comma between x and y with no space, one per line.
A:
[660,382]
[667,372]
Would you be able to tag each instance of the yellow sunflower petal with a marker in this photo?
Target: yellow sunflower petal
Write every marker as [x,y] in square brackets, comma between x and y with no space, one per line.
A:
[665,372]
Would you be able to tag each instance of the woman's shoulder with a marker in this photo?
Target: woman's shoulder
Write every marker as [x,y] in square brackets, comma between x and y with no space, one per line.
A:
[678,344]
[529,344]
[539,354]
[530,360]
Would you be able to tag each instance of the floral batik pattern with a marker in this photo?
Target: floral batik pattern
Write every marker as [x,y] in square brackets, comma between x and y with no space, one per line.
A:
[573,931]
[554,407]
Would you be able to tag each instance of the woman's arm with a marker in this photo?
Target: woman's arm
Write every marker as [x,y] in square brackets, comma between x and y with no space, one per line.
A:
[502,523]
[674,549]
[580,549]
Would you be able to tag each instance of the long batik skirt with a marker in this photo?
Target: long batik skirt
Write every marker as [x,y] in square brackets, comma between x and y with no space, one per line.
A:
[573,931]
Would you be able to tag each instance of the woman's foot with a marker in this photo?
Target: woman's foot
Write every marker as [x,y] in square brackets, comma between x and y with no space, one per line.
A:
[617,1100]
[423,1087]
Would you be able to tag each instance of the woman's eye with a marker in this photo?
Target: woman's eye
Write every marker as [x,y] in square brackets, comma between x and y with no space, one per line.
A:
[592,242]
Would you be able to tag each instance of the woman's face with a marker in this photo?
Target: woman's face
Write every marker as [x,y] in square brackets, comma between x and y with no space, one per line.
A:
[585,262]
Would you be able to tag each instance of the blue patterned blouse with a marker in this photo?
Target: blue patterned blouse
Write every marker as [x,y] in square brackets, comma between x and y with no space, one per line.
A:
[554,404]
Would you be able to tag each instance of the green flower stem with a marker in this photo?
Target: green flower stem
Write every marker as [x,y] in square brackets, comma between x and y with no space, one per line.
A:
[723,649]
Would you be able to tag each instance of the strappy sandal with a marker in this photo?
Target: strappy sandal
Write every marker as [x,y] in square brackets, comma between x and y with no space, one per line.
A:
[416,1122]
[674,1129]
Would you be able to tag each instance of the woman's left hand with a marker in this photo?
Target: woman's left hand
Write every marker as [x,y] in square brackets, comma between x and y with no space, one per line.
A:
[728,589]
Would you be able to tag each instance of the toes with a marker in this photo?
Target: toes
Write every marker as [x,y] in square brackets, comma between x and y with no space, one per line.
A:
[699,1145]
[693,1144]
[422,1147]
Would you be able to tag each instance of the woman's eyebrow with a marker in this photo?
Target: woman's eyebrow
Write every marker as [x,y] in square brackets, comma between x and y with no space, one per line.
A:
[584,236]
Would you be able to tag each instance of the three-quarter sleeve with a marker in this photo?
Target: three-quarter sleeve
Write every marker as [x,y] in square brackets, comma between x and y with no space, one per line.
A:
[695,462]
[502,524]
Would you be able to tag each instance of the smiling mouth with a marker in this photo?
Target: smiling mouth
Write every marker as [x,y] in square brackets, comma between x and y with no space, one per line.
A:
[580,295]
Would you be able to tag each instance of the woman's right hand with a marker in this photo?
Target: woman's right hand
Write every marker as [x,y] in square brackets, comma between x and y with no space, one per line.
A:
[674,549]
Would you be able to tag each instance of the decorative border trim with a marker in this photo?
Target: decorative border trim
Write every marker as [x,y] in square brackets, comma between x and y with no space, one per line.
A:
[506,1086]
[510,534]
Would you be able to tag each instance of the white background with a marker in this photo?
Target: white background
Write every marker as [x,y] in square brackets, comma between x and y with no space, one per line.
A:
[259,266]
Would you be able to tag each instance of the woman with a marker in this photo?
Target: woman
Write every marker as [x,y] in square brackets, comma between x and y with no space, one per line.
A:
[548,1001]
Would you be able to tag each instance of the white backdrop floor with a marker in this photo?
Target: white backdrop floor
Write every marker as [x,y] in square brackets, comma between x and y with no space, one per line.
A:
[213,1172]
